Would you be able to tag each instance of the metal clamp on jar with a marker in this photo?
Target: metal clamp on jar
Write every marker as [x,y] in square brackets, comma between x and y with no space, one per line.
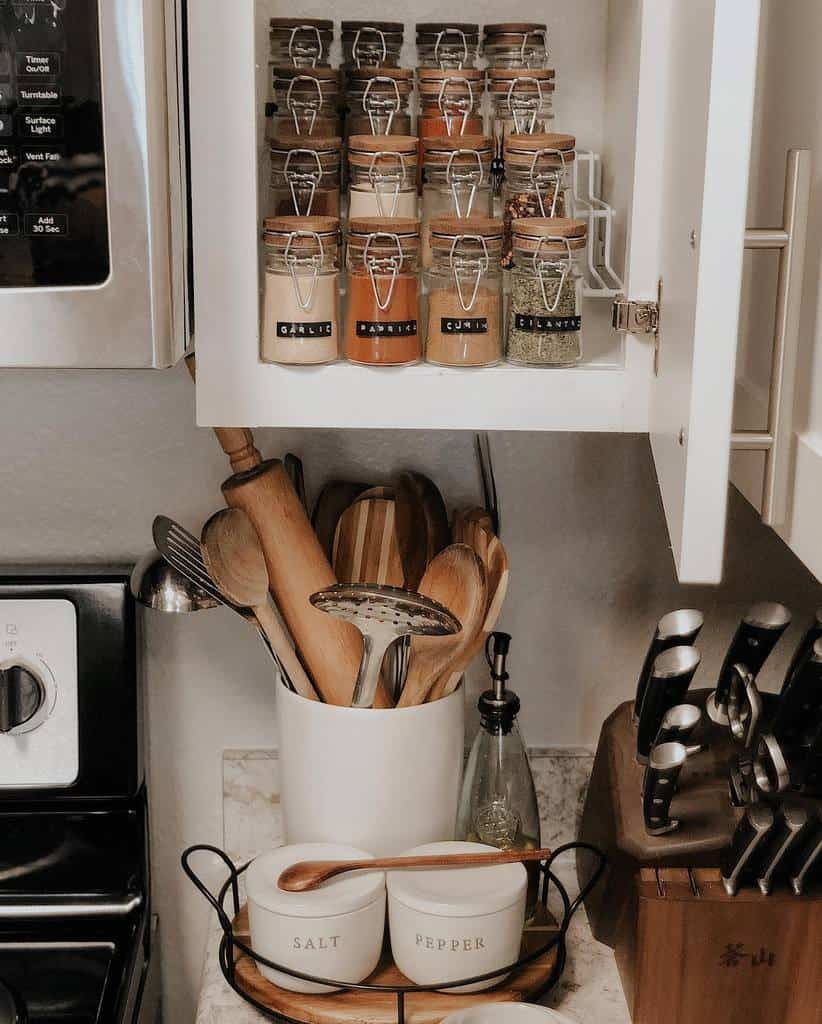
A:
[301,300]
[305,101]
[305,177]
[522,102]
[515,45]
[545,306]
[465,292]
[450,102]
[378,101]
[444,45]
[382,176]
[382,325]
[456,181]
[372,44]
[301,42]
[537,178]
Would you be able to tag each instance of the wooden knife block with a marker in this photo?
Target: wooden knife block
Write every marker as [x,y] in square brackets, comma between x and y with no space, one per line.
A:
[687,952]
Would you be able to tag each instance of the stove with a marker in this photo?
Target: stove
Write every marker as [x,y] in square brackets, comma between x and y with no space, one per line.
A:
[76,930]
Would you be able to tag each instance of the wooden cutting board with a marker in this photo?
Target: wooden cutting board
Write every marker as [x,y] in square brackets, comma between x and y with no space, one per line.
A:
[381,1007]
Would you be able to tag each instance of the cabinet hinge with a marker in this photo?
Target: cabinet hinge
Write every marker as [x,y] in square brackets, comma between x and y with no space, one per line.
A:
[636,317]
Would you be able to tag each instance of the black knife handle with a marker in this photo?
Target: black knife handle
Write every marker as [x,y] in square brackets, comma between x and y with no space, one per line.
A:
[813,634]
[676,629]
[807,856]
[670,678]
[678,725]
[791,825]
[800,706]
[750,833]
[756,637]
[659,786]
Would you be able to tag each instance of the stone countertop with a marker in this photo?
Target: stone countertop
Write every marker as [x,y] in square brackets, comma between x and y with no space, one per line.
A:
[589,991]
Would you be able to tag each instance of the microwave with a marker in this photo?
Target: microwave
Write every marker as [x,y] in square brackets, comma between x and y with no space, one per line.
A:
[94,216]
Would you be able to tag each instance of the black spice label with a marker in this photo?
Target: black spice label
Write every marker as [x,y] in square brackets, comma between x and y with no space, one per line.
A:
[546,324]
[464,325]
[391,329]
[320,329]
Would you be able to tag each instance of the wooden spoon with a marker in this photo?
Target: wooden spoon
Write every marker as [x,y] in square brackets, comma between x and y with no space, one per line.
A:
[498,576]
[309,874]
[456,579]
[235,561]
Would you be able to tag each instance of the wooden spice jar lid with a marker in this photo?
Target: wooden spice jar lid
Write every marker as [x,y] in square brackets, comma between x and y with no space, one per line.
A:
[289,24]
[380,81]
[324,76]
[436,76]
[278,229]
[519,150]
[386,27]
[323,145]
[445,229]
[406,230]
[515,28]
[523,80]
[438,152]
[428,31]
[363,148]
[530,233]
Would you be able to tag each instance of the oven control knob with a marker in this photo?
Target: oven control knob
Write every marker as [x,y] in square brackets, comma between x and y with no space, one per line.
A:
[22,694]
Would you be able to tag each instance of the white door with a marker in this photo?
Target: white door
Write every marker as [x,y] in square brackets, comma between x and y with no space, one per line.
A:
[696,99]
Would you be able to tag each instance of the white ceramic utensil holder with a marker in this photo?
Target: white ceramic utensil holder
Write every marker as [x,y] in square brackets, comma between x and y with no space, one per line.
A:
[383,780]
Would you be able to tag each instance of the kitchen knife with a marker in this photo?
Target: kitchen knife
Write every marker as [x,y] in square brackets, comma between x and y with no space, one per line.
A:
[800,706]
[807,857]
[678,724]
[791,824]
[671,676]
[676,629]
[659,786]
[736,861]
[813,634]
[756,636]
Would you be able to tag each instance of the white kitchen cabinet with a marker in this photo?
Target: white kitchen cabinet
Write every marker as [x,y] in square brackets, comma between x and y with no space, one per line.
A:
[663,90]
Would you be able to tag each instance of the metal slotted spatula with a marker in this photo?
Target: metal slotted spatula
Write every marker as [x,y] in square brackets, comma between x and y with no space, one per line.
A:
[382,614]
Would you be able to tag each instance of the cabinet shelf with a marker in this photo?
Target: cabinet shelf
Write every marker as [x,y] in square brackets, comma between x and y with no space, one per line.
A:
[341,395]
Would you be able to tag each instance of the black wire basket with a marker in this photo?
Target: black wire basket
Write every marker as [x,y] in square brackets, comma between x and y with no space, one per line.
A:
[230,944]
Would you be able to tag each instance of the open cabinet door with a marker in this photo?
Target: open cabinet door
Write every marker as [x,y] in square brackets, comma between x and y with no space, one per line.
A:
[694,124]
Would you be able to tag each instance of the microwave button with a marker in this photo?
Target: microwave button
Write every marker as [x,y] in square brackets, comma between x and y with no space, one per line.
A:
[38,65]
[6,126]
[7,94]
[41,126]
[38,95]
[9,225]
[46,225]
[8,158]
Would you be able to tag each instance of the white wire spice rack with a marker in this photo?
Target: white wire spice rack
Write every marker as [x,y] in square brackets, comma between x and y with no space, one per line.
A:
[601,280]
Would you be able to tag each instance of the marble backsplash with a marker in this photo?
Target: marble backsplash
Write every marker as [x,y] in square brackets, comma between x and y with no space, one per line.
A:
[252,820]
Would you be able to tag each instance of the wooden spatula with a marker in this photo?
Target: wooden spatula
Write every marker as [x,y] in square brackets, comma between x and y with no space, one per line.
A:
[456,579]
[365,544]
[422,524]
[334,499]
[497,580]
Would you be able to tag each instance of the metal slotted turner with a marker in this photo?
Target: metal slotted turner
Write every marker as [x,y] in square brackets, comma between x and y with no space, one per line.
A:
[382,614]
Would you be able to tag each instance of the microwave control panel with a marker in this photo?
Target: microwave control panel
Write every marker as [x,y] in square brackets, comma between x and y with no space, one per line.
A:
[53,190]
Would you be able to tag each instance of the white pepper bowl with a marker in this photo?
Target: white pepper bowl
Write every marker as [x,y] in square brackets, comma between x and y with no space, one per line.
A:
[453,923]
[334,932]
[507,1013]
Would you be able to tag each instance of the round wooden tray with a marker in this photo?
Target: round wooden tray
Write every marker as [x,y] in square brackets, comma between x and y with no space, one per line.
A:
[381,1007]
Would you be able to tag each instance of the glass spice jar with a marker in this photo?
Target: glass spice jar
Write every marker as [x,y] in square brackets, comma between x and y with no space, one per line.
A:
[444,45]
[456,181]
[465,311]
[301,292]
[515,45]
[305,176]
[545,304]
[522,102]
[382,176]
[382,323]
[372,44]
[305,102]
[450,102]
[378,101]
[301,42]
[537,179]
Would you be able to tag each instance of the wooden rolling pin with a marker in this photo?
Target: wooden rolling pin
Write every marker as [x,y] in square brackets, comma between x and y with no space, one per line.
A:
[297,568]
